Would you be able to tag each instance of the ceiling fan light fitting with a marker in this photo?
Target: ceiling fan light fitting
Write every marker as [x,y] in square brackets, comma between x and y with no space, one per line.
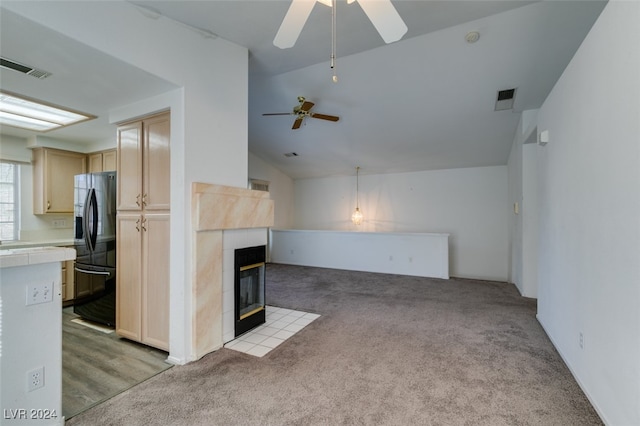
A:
[472,37]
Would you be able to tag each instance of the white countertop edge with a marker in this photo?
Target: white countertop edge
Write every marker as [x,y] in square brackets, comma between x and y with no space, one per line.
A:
[33,256]
[59,242]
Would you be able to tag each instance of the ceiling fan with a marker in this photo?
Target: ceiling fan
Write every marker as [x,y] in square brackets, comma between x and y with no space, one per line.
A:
[382,14]
[303,110]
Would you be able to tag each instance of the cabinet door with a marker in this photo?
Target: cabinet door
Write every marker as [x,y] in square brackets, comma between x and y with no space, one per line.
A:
[129,168]
[129,276]
[109,161]
[69,280]
[155,292]
[64,281]
[95,163]
[60,167]
[157,177]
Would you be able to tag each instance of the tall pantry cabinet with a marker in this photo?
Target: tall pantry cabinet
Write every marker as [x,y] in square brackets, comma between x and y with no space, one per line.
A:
[142,277]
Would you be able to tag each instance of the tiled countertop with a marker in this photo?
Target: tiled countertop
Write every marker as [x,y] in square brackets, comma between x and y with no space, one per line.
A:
[32,256]
[10,245]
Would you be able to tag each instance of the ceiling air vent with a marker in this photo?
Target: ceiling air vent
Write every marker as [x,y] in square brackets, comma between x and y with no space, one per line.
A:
[505,99]
[24,69]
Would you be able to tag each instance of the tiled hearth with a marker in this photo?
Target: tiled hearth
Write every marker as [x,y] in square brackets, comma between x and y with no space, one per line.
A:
[223,219]
[281,324]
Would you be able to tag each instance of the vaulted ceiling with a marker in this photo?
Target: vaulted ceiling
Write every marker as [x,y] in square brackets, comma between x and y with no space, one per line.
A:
[424,102]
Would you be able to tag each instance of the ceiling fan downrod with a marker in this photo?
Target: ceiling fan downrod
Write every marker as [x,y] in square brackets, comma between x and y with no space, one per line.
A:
[333,39]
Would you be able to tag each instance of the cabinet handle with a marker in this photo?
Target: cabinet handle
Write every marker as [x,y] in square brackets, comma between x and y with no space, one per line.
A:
[138,200]
[144,200]
[48,205]
[143,221]
[138,225]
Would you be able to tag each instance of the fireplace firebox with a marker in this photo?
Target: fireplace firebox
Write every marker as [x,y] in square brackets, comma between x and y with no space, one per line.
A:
[249,288]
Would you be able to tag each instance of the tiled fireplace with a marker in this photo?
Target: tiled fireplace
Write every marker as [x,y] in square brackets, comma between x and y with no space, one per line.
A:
[223,219]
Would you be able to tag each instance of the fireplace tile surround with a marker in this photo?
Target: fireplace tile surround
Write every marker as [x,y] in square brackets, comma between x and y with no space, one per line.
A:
[280,325]
[223,219]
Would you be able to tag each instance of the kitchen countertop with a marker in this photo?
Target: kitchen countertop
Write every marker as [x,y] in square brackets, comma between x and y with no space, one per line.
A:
[35,255]
[9,245]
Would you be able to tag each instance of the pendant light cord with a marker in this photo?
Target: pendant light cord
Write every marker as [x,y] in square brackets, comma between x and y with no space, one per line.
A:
[357,187]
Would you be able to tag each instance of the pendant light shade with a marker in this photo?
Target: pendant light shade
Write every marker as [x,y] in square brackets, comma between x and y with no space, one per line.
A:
[356,217]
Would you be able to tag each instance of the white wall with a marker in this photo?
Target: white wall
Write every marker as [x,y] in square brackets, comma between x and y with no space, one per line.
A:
[469,204]
[523,228]
[514,171]
[589,214]
[208,113]
[280,190]
[417,254]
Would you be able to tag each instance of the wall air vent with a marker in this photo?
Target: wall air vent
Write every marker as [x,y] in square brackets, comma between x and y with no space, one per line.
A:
[259,185]
[24,69]
[505,99]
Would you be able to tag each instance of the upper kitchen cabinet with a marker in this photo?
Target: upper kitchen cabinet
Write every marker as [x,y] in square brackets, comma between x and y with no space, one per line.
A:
[143,164]
[53,179]
[104,161]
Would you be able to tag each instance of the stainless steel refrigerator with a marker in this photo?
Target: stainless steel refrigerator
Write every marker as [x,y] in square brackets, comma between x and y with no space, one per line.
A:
[95,244]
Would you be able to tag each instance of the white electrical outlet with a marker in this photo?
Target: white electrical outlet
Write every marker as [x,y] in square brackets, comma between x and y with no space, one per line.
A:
[35,379]
[39,293]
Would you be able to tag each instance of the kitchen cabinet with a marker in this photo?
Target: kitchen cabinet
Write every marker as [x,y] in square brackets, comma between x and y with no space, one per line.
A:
[68,287]
[104,161]
[142,274]
[53,179]
[143,164]
[142,289]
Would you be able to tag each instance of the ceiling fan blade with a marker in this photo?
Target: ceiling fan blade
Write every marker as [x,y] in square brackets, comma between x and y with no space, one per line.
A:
[293,22]
[278,113]
[297,124]
[306,106]
[384,16]
[325,117]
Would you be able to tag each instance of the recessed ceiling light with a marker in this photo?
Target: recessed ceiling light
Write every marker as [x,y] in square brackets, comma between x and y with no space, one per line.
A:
[31,114]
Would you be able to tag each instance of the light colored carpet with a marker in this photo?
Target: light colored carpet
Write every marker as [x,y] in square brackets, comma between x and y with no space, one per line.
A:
[387,350]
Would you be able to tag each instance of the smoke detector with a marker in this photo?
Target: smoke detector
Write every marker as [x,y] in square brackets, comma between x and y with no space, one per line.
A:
[24,69]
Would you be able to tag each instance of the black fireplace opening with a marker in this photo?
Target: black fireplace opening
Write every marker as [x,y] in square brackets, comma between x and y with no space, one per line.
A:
[249,288]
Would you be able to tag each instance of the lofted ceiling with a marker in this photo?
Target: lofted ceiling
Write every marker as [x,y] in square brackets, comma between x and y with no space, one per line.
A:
[425,102]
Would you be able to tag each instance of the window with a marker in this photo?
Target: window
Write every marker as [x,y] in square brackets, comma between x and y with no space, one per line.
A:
[9,211]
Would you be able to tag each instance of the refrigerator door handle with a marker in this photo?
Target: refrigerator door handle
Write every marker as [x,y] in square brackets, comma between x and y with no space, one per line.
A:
[94,212]
[85,221]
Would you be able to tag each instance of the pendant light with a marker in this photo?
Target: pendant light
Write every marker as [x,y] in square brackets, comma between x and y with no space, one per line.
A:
[356,217]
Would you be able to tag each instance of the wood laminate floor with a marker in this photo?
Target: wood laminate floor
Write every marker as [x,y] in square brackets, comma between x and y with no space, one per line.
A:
[97,366]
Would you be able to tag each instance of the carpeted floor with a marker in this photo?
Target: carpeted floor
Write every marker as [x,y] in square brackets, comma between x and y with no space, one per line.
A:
[387,350]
